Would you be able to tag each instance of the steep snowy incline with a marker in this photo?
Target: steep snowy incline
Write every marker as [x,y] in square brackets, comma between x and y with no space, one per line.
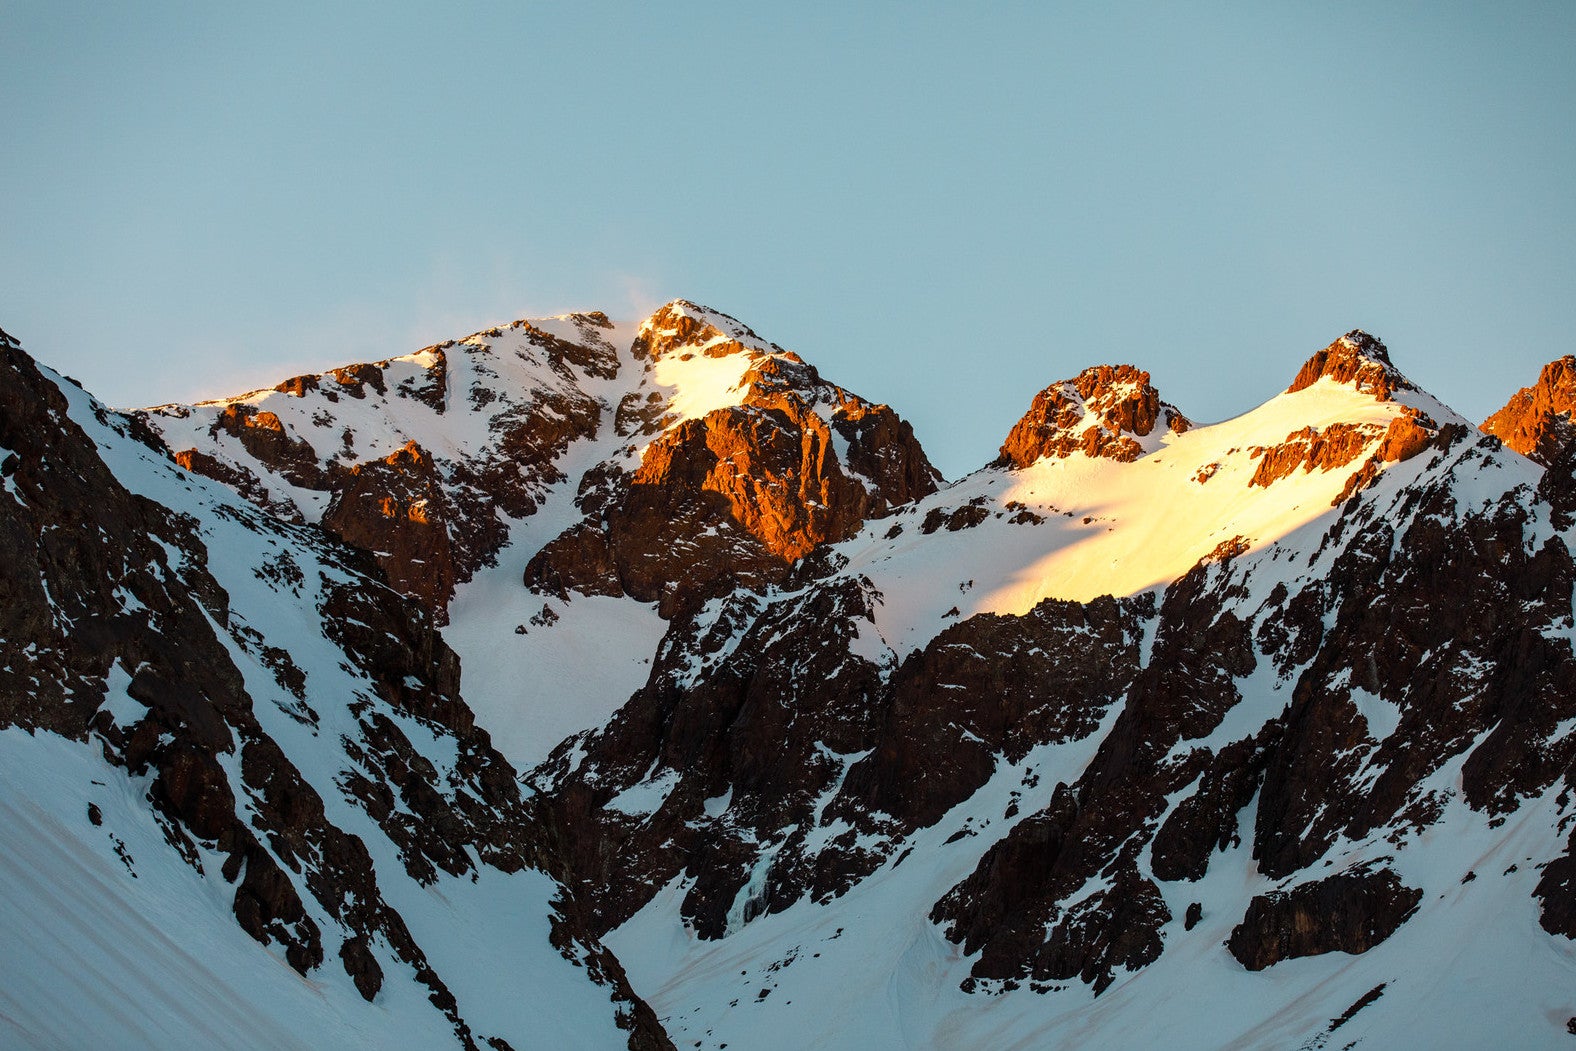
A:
[1071,525]
[224,740]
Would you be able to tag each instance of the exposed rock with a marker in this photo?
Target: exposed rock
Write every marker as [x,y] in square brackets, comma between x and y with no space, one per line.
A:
[446,513]
[1357,359]
[353,378]
[1021,917]
[1464,669]
[239,478]
[1100,412]
[987,688]
[396,508]
[97,577]
[1408,434]
[264,436]
[685,327]
[770,727]
[1557,488]
[735,497]
[784,703]
[1347,912]
[1310,449]
[298,385]
[1537,421]
[1207,820]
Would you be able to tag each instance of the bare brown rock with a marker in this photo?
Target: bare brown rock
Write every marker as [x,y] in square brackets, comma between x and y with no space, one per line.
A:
[1098,412]
[1537,422]
[1408,434]
[1021,917]
[264,436]
[130,580]
[768,727]
[992,687]
[1357,359]
[242,480]
[396,508]
[1206,821]
[1311,449]
[298,386]
[736,497]
[441,521]
[685,327]
[352,378]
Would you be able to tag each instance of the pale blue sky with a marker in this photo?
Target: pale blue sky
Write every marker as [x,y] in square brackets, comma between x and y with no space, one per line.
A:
[944,206]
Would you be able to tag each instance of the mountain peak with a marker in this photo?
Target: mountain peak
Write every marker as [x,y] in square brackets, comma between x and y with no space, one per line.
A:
[684,325]
[1359,359]
[1103,411]
[1540,421]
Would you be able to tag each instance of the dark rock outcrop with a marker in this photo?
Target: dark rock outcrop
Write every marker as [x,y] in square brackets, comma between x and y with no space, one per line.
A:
[1481,678]
[1347,912]
[397,509]
[1357,359]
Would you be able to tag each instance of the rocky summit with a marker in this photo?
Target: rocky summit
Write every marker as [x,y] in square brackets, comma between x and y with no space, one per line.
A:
[599,683]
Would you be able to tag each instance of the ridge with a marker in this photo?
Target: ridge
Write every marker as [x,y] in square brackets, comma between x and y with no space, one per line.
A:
[1537,421]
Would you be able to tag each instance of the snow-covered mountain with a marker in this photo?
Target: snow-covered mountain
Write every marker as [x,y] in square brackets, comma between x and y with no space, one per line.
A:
[644,648]
[244,804]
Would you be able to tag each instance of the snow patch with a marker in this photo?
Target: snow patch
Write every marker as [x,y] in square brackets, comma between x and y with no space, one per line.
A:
[646,797]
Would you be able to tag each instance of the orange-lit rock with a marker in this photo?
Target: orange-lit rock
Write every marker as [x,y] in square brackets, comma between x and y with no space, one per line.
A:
[1537,421]
[1099,412]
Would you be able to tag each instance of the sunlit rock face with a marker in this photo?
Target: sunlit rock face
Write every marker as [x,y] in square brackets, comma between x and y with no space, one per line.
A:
[1103,411]
[1537,421]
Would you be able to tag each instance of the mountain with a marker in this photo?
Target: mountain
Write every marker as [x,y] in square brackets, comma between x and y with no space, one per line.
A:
[645,647]
[244,804]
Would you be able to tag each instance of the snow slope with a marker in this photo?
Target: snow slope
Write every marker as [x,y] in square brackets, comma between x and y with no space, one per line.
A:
[1109,527]
[869,970]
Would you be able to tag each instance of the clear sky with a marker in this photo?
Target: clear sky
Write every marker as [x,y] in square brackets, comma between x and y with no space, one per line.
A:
[944,206]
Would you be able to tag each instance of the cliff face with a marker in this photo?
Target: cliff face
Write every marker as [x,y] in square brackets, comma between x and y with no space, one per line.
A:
[1537,421]
[730,491]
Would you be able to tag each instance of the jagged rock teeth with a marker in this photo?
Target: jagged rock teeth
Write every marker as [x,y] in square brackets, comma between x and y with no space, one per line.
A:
[1103,411]
[1357,359]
